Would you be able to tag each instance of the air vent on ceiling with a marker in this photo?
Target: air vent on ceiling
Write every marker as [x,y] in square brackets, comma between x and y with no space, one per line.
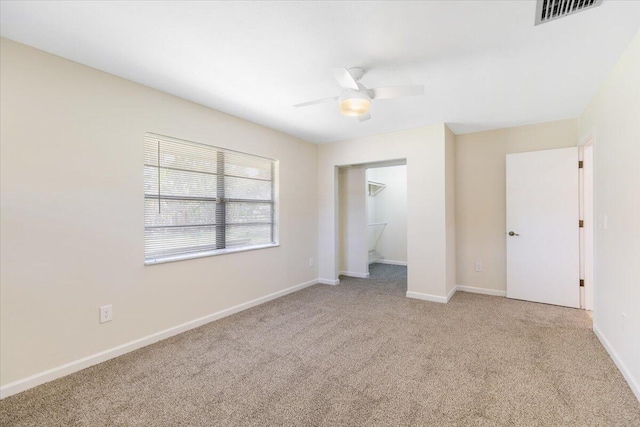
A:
[548,10]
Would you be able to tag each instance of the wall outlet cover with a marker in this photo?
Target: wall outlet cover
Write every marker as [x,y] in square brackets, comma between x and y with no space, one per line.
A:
[106,313]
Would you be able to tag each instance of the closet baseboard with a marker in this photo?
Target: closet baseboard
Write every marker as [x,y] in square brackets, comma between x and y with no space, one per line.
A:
[388,261]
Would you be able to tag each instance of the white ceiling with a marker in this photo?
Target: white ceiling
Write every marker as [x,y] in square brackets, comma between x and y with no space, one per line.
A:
[483,63]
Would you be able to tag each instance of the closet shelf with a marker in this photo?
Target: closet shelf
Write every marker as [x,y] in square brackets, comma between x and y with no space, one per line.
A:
[375,187]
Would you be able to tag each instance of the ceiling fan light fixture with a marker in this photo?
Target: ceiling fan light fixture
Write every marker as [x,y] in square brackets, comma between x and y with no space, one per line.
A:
[355,99]
[354,104]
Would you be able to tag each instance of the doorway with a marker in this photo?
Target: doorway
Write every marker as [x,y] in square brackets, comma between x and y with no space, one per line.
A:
[549,234]
[543,227]
[372,218]
[387,215]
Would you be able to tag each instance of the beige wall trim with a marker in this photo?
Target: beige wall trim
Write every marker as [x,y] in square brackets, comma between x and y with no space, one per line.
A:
[355,274]
[331,282]
[389,261]
[482,291]
[626,373]
[451,293]
[80,364]
[427,297]
[431,298]
[461,288]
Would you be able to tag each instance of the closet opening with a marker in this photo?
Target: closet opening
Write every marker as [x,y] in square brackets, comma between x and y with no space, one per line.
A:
[372,216]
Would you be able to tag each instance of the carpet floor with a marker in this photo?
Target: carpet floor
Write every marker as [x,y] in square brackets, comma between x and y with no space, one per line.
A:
[355,354]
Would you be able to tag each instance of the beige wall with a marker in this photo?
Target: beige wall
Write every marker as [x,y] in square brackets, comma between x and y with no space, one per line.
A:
[390,206]
[353,222]
[72,213]
[450,196]
[481,195]
[424,150]
[71,221]
[613,118]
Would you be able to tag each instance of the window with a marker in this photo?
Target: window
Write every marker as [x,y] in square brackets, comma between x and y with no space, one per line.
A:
[201,200]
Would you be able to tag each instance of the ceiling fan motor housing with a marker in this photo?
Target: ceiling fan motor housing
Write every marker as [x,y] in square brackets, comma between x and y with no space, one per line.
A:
[356,72]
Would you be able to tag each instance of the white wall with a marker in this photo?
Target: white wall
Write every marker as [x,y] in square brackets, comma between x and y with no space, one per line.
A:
[480,195]
[72,213]
[613,115]
[424,150]
[353,222]
[390,206]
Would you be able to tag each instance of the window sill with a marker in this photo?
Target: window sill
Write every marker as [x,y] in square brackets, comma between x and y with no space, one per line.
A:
[207,254]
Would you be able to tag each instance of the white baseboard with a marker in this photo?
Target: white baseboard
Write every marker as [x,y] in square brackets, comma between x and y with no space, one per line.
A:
[427,297]
[483,291]
[437,298]
[77,365]
[633,384]
[354,274]
[389,261]
[451,292]
[329,281]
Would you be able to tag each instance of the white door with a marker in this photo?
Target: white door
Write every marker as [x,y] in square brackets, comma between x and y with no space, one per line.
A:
[542,227]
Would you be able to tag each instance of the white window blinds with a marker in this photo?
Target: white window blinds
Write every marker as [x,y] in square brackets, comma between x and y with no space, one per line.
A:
[202,200]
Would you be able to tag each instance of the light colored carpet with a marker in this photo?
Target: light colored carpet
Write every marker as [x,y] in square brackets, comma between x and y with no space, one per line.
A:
[355,354]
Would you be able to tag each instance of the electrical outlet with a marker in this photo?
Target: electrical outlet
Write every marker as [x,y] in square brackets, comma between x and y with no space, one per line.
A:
[478,266]
[106,313]
[311,262]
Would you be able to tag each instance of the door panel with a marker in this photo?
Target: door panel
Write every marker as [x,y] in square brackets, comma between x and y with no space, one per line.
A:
[543,212]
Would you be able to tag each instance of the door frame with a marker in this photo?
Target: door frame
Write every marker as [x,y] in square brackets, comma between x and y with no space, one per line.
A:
[586,151]
[364,273]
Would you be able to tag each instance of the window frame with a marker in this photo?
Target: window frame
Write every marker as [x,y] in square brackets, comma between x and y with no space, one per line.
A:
[275,202]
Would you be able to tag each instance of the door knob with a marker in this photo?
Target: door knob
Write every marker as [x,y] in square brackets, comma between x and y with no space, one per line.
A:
[511,233]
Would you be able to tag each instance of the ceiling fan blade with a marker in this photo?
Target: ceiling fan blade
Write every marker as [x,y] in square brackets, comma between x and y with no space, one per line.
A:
[344,78]
[364,117]
[397,91]
[317,101]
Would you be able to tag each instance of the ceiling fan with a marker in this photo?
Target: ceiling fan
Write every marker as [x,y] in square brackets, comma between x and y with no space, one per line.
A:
[355,99]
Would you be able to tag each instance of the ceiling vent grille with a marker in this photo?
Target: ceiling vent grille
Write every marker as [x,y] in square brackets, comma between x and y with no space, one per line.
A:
[548,10]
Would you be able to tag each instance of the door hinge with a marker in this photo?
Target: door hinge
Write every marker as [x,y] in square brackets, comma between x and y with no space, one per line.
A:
[580,164]
[581,283]
[581,223]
